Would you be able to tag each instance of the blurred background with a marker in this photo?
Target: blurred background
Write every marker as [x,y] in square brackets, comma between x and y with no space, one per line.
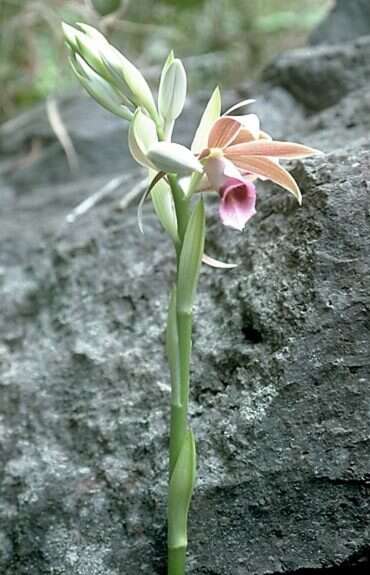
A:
[221,41]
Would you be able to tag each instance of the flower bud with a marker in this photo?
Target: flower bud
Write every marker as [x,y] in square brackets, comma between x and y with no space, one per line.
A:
[70,35]
[117,68]
[111,65]
[172,90]
[99,89]
[142,136]
[174,158]
[164,206]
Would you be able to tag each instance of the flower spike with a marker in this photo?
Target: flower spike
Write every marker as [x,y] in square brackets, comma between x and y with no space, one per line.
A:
[227,156]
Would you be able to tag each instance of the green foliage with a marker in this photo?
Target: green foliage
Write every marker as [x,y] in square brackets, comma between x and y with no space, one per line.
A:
[105,7]
[221,41]
[184,4]
[32,59]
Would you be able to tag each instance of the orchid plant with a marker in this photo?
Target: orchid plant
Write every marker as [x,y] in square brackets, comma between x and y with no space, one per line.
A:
[228,154]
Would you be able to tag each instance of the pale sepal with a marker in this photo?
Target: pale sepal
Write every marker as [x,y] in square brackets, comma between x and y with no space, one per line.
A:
[238,106]
[210,115]
[213,263]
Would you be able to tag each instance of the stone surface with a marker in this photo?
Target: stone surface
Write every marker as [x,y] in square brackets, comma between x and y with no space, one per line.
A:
[347,20]
[319,77]
[280,377]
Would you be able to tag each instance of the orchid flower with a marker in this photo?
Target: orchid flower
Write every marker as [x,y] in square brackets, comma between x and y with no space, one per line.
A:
[237,153]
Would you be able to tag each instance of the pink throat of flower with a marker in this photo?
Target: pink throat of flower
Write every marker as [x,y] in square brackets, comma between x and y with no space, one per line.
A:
[238,200]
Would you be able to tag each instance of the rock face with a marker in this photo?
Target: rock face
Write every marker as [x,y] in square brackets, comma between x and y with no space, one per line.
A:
[347,20]
[280,379]
[320,77]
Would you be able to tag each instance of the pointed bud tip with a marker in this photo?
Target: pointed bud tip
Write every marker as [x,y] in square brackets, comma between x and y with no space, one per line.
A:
[70,34]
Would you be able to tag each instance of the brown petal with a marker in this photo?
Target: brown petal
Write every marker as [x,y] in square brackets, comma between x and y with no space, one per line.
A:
[223,132]
[271,148]
[269,169]
[243,137]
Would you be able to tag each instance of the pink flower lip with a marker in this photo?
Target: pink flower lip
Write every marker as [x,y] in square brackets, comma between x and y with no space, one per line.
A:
[238,200]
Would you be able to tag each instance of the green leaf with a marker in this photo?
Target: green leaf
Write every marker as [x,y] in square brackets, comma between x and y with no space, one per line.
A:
[152,183]
[210,115]
[105,7]
[172,349]
[164,208]
[180,492]
[191,259]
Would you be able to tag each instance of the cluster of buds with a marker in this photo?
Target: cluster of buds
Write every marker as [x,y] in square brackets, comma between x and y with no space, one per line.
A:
[228,153]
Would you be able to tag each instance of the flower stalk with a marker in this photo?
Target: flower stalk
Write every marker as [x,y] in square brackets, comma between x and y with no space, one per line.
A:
[179,344]
[228,154]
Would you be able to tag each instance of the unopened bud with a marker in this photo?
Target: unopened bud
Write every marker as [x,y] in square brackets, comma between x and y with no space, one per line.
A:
[174,158]
[99,89]
[111,65]
[142,136]
[172,89]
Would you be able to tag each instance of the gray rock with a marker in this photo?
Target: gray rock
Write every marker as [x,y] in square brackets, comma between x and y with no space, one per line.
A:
[319,77]
[347,20]
[280,393]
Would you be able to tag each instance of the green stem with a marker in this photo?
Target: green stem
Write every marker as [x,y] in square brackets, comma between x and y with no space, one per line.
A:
[179,403]
[184,325]
[182,206]
[176,561]
[179,411]
[178,426]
